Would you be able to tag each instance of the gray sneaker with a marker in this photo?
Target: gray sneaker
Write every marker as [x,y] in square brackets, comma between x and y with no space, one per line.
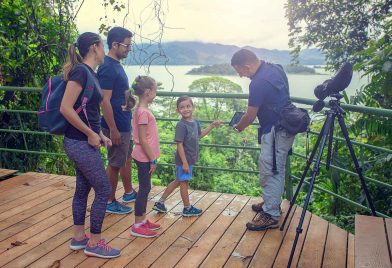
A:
[76,245]
[102,250]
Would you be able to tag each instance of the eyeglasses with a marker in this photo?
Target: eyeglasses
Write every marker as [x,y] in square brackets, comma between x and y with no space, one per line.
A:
[128,46]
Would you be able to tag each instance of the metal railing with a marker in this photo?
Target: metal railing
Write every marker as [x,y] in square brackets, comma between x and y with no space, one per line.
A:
[352,108]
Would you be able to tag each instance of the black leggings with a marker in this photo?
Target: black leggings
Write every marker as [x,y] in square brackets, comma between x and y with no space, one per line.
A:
[144,177]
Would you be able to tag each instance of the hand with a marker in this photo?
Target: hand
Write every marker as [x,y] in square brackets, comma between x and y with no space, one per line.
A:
[185,167]
[105,141]
[235,128]
[217,123]
[115,136]
[153,167]
[94,140]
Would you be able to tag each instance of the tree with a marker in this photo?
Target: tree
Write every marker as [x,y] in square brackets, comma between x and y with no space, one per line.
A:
[217,84]
[359,32]
[34,36]
[339,28]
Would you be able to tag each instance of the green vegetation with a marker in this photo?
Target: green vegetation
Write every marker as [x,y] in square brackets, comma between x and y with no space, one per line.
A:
[34,36]
[227,69]
[358,32]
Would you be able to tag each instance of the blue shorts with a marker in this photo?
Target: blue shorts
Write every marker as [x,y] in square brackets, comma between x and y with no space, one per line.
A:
[181,175]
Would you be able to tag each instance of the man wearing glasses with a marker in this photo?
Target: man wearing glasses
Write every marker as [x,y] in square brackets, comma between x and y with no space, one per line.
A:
[116,121]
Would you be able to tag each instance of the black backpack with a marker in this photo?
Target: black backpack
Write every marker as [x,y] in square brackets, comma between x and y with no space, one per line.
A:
[291,118]
[49,117]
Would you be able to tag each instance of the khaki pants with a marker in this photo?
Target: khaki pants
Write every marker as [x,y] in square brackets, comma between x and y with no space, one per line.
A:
[273,184]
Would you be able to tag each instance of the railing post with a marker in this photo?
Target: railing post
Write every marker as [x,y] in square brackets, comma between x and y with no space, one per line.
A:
[22,127]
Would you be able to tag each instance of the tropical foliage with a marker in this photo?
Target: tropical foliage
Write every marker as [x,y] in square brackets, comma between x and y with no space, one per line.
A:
[358,32]
[34,36]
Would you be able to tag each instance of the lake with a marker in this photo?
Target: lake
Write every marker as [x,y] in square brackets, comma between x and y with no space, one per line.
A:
[174,78]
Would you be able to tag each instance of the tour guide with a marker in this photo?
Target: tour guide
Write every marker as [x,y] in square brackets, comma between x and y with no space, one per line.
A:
[268,93]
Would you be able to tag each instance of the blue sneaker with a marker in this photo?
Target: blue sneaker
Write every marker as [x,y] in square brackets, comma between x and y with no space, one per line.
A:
[128,198]
[116,208]
[76,245]
[102,250]
[160,207]
[191,211]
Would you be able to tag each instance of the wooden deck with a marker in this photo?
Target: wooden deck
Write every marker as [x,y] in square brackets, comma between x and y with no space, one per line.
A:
[6,172]
[36,227]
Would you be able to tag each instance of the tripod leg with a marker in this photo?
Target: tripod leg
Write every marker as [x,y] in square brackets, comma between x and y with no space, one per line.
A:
[355,160]
[308,163]
[330,142]
[316,171]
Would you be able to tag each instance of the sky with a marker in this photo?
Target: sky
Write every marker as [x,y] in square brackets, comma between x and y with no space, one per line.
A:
[257,23]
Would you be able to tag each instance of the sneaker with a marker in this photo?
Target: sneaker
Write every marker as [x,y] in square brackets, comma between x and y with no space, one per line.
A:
[76,245]
[258,207]
[142,231]
[102,250]
[262,221]
[191,211]
[152,225]
[128,198]
[116,208]
[160,207]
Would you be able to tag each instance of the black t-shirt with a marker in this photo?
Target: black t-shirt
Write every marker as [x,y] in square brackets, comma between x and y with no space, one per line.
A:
[79,75]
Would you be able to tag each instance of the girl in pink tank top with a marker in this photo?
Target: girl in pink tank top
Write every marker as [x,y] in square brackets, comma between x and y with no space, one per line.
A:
[145,153]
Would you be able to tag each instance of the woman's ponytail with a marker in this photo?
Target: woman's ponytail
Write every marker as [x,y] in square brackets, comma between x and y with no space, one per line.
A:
[73,59]
[85,40]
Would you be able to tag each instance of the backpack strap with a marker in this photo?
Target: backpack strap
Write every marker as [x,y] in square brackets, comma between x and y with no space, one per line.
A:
[278,69]
[87,93]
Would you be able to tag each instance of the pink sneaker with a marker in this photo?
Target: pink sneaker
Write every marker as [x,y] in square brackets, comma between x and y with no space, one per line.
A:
[152,225]
[142,231]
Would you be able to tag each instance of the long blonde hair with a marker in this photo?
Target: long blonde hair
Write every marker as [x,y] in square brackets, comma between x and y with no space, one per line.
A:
[85,40]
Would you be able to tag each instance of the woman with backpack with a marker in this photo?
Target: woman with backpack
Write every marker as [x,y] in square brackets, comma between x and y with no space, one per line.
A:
[82,140]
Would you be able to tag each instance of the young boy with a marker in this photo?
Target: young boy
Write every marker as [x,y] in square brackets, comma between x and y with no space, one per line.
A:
[187,136]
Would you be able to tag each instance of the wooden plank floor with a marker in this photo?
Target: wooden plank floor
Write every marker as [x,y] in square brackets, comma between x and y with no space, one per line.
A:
[372,242]
[6,172]
[36,228]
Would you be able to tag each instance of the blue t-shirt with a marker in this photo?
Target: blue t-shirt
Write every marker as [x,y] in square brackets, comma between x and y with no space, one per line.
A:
[112,76]
[268,90]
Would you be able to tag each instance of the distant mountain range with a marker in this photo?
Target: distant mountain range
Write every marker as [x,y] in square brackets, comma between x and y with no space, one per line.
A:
[198,53]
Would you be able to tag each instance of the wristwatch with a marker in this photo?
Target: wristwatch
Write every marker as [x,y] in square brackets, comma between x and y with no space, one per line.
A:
[154,162]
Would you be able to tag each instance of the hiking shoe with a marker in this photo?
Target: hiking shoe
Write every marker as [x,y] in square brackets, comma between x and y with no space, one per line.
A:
[262,221]
[116,208]
[76,245]
[142,231]
[152,225]
[191,211]
[160,207]
[128,198]
[258,207]
[102,250]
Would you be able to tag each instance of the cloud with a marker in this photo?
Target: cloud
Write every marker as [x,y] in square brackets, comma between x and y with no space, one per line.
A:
[259,23]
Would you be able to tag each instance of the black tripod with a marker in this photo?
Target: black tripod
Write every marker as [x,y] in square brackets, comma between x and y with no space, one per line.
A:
[326,131]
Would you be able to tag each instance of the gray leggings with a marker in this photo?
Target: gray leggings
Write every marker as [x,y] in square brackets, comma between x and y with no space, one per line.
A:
[144,178]
[90,173]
